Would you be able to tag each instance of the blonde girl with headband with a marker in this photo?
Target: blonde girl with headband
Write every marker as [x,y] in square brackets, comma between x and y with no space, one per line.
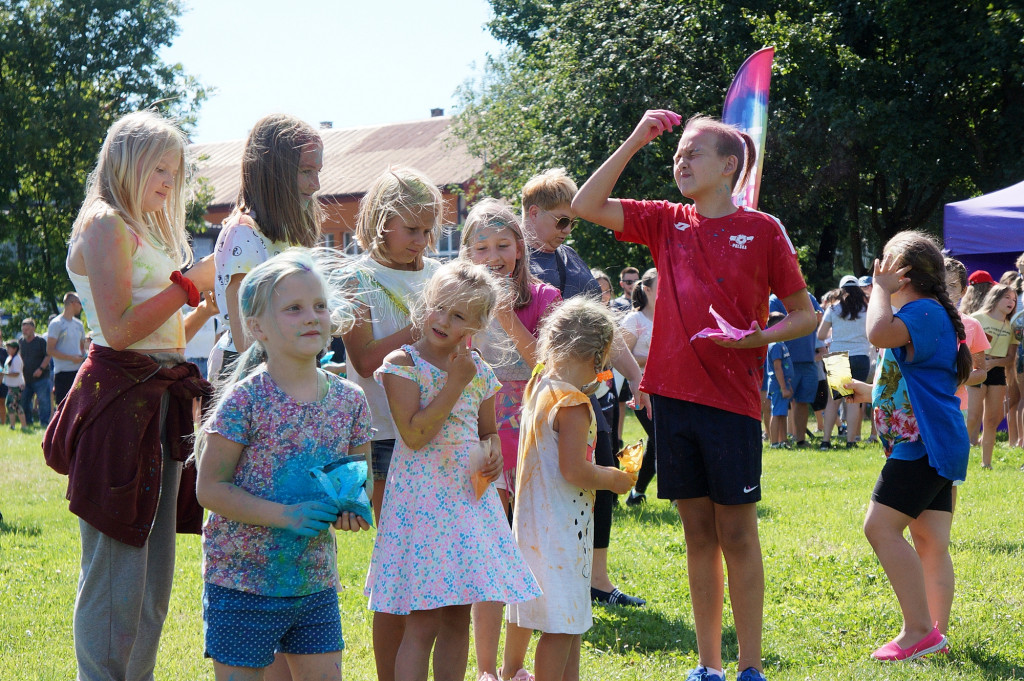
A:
[442,543]
[492,236]
[556,480]
[269,558]
[123,424]
[709,255]
[276,208]
[399,222]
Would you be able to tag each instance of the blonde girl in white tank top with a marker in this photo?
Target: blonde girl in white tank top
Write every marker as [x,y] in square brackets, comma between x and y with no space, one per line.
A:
[128,239]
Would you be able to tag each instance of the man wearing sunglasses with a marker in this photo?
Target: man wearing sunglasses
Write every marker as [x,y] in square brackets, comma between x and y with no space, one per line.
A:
[628,278]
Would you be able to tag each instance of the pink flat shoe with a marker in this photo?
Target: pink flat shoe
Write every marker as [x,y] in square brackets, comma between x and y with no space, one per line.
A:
[522,675]
[892,652]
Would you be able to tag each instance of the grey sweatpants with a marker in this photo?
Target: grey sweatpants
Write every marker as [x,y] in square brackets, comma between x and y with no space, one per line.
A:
[123,592]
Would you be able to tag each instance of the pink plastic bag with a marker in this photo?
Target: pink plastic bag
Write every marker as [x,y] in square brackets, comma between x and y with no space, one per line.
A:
[725,330]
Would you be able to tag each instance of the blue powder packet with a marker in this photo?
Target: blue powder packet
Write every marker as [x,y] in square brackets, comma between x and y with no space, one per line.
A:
[344,483]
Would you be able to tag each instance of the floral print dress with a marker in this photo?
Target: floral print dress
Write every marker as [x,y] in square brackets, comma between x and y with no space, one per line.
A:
[437,544]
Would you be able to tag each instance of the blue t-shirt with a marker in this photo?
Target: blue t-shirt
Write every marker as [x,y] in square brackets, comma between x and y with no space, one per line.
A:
[800,349]
[565,270]
[914,403]
[781,351]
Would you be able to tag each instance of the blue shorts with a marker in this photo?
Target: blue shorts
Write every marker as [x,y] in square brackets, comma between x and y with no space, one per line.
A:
[380,458]
[804,382]
[780,404]
[704,451]
[245,630]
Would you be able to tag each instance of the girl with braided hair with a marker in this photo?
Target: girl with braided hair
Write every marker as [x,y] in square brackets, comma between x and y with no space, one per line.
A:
[925,440]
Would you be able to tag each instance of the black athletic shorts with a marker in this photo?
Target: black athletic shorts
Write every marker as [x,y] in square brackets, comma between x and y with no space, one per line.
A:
[703,451]
[911,487]
[996,376]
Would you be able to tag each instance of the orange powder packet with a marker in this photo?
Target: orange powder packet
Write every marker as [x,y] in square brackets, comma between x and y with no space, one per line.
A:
[632,456]
[480,483]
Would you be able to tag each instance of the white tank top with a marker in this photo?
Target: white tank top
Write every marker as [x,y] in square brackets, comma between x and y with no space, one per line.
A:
[151,272]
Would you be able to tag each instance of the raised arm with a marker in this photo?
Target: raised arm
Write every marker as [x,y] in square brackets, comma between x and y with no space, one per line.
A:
[593,201]
[884,329]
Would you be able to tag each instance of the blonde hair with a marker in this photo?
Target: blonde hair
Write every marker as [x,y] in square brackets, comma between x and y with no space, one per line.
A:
[398,191]
[459,281]
[493,214]
[269,187]
[729,142]
[549,189]
[130,154]
[579,328]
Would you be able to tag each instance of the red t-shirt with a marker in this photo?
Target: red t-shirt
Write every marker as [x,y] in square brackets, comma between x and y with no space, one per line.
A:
[731,263]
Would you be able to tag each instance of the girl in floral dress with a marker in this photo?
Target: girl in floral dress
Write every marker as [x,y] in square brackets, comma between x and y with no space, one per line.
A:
[439,547]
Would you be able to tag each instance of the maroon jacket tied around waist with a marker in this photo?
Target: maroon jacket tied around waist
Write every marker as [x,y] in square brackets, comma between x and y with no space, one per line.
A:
[105,436]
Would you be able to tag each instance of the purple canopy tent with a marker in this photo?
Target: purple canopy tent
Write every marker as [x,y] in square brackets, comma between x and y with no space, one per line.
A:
[987,232]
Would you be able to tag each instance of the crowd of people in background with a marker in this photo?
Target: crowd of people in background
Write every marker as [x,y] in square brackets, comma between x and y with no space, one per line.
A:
[485,399]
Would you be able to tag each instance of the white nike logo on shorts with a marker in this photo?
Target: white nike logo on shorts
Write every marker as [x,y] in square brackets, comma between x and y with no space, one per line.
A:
[748,490]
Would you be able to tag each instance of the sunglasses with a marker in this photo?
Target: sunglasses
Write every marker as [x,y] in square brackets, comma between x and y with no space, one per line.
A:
[629,281]
[563,223]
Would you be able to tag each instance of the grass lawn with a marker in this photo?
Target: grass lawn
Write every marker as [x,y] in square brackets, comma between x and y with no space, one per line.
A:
[827,605]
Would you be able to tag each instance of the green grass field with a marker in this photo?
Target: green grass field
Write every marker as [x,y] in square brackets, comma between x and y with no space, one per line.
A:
[828,603]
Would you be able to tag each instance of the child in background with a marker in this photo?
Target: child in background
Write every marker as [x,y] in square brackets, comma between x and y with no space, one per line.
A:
[269,560]
[276,208]
[780,390]
[14,382]
[399,221]
[979,283]
[492,236]
[705,393]
[440,548]
[977,341]
[637,328]
[985,406]
[915,409]
[556,479]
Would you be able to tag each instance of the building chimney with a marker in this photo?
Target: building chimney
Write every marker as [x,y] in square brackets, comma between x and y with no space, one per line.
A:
[435,113]
[326,125]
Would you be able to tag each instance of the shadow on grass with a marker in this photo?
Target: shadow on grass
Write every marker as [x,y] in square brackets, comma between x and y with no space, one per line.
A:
[661,512]
[992,666]
[619,629]
[10,528]
[1008,548]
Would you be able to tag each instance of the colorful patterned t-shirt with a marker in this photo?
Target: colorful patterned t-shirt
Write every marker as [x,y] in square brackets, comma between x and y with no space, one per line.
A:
[282,439]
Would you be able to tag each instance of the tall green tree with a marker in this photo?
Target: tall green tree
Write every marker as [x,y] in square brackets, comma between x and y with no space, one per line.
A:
[67,71]
[880,110]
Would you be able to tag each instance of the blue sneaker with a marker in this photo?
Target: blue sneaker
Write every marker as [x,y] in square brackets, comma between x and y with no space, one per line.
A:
[701,673]
[750,674]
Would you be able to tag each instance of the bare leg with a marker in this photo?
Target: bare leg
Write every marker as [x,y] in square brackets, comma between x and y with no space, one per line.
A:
[388,631]
[975,409]
[553,656]
[599,578]
[517,640]
[854,419]
[322,667]
[884,527]
[831,416]
[451,651]
[706,577]
[741,546]
[413,660]
[222,672]
[993,415]
[930,532]
[279,669]
[486,634]
[378,498]
[800,412]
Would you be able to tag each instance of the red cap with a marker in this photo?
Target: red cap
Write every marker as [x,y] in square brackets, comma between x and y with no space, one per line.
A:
[980,277]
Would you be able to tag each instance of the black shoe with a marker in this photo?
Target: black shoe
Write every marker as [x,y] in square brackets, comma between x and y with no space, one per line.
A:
[635,499]
[616,597]
[851,445]
[802,444]
[825,445]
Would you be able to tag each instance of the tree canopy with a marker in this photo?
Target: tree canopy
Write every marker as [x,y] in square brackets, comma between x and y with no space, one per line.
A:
[67,71]
[879,111]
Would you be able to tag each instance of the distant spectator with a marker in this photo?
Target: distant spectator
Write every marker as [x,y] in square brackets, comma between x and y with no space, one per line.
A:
[605,282]
[37,372]
[628,278]
[65,343]
[978,285]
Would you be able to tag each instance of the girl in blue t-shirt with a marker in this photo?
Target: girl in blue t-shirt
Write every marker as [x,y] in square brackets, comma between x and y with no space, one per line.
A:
[269,560]
[916,412]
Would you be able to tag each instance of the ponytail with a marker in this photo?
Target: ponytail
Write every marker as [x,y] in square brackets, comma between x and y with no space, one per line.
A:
[749,161]
[639,298]
[964,361]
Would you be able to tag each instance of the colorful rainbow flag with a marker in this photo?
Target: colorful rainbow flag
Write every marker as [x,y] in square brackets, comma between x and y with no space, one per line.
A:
[746,107]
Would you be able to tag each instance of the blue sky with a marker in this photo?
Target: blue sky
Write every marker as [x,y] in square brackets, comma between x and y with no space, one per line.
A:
[350,63]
